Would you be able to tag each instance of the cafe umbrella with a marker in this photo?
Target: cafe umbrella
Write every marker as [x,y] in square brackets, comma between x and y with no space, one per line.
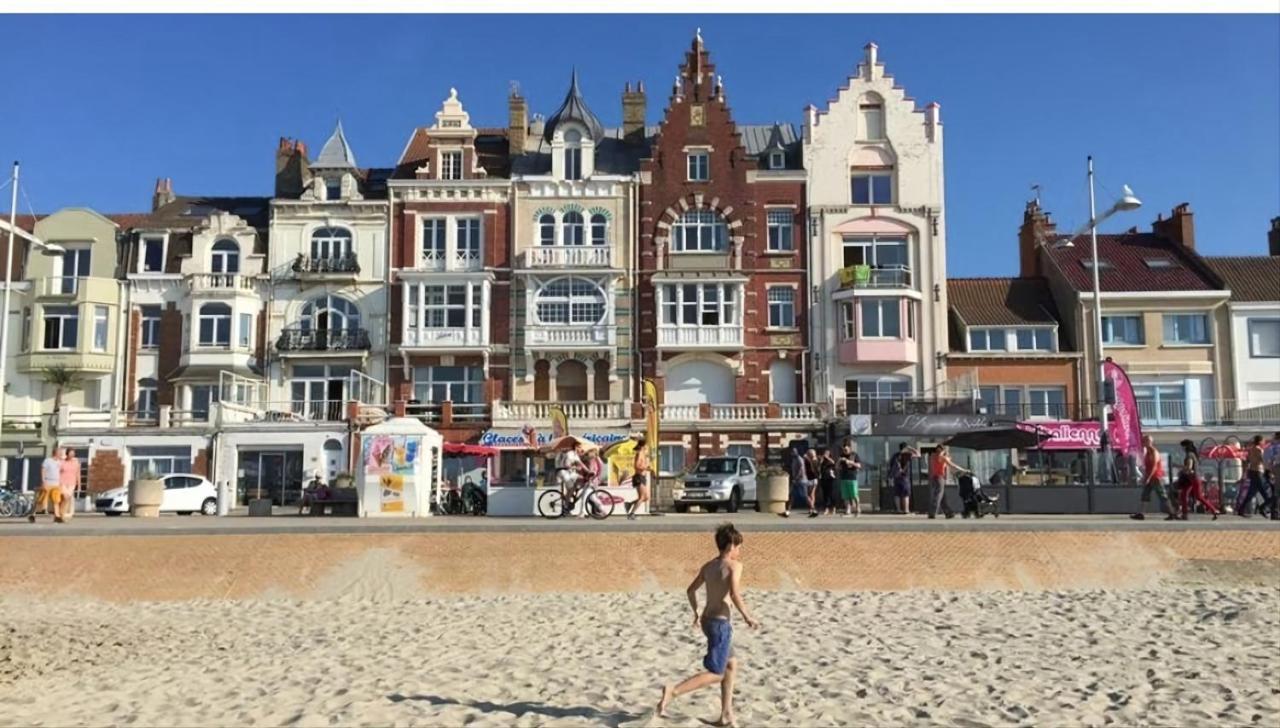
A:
[997,438]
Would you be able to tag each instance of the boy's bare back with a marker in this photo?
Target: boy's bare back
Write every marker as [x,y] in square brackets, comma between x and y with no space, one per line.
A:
[717,574]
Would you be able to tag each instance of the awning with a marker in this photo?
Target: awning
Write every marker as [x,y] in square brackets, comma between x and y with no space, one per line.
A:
[459,448]
[996,438]
[205,373]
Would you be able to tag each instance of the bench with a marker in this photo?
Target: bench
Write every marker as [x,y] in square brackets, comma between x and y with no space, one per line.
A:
[340,502]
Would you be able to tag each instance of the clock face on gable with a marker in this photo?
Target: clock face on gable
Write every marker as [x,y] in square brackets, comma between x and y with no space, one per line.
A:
[696,115]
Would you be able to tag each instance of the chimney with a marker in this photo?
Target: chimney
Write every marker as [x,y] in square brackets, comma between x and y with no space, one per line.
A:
[633,113]
[1036,229]
[933,120]
[536,127]
[1178,227]
[870,59]
[1273,237]
[292,168]
[517,121]
[163,194]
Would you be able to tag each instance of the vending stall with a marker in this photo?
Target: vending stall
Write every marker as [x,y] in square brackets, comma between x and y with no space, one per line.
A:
[400,470]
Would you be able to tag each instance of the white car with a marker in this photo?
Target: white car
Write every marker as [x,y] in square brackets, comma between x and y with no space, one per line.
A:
[184,494]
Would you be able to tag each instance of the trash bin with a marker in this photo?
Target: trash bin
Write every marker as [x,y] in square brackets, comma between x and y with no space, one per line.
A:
[259,507]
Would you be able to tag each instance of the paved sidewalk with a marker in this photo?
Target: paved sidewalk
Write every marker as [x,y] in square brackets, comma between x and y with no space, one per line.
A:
[93,524]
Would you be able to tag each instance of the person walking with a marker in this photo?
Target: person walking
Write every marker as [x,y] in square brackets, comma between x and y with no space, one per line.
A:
[640,479]
[940,464]
[796,479]
[900,477]
[849,465]
[811,481]
[1271,461]
[69,480]
[50,496]
[1256,471]
[722,577]
[1190,486]
[827,481]
[1153,480]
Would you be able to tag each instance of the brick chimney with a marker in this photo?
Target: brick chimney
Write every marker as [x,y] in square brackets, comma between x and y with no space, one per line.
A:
[292,168]
[633,113]
[1273,237]
[1178,227]
[1036,228]
[163,194]
[517,122]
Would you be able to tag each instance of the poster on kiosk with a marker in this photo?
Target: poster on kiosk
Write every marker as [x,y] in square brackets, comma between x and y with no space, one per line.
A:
[399,469]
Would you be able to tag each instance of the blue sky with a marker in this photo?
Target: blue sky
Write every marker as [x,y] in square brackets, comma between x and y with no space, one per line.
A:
[1182,108]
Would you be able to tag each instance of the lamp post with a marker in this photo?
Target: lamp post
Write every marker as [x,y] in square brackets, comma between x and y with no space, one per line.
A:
[1127,202]
[49,249]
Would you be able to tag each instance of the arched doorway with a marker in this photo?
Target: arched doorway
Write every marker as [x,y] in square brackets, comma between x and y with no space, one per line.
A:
[571,381]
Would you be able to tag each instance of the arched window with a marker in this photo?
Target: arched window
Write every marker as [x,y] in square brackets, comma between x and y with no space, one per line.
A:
[601,384]
[871,117]
[700,231]
[148,407]
[599,229]
[542,381]
[547,229]
[226,257]
[214,323]
[573,154]
[329,313]
[331,243]
[573,228]
[571,381]
[571,301]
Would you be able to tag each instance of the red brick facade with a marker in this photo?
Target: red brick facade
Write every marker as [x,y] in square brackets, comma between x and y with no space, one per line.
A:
[106,471]
[170,353]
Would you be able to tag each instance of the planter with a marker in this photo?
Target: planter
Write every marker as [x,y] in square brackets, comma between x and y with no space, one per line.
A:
[773,496]
[145,497]
[343,481]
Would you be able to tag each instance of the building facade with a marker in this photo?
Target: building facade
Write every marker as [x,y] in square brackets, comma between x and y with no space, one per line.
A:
[1254,331]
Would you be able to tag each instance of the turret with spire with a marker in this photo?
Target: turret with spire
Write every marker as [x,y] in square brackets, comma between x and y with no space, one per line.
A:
[336,153]
[574,109]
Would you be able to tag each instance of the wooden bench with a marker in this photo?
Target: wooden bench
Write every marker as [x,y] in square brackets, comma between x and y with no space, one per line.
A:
[341,502]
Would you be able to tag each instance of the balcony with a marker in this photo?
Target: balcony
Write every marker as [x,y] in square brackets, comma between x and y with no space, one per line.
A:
[221,283]
[70,289]
[331,267]
[449,414]
[570,337]
[530,412]
[164,418]
[433,260]
[305,341]
[879,278]
[692,337]
[569,256]
[906,404]
[743,415]
[443,339]
[1161,413]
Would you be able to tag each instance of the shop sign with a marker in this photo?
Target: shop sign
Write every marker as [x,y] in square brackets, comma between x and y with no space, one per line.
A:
[516,440]
[927,425]
[1066,434]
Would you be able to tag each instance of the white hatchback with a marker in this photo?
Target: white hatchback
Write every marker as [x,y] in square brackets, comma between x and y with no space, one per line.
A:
[184,494]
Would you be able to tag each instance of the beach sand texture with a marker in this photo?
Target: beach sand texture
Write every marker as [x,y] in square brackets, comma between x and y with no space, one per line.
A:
[368,642]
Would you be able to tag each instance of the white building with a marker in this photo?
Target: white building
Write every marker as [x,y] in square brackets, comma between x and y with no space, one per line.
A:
[878,245]
[1254,310]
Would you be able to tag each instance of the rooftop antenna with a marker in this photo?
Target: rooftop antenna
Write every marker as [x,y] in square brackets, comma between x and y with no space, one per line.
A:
[1036,188]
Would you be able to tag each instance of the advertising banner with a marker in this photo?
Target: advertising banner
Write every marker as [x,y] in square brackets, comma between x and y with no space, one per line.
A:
[390,461]
[1126,425]
[651,425]
[1066,435]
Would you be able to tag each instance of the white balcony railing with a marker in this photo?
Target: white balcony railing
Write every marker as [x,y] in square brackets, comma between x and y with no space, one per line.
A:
[569,256]
[571,336]
[726,413]
[436,260]
[669,335]
[809,411]
[679,412]
[442,338]
[220,282]
[574,411]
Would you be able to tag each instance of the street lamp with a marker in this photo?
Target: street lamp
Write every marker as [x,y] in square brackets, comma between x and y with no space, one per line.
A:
[47,248]
[1127,203]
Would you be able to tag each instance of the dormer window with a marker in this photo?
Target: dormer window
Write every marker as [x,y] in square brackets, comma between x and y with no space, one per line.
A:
[226,257]
[573,154]
[151,254]
[333,189]
[451,165]
[777,160]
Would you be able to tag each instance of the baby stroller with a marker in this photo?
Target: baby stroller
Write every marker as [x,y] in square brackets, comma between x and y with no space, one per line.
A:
[976,502]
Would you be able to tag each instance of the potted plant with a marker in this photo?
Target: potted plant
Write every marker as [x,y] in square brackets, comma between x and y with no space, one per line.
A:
[772,487]
[146,494]
[343,480]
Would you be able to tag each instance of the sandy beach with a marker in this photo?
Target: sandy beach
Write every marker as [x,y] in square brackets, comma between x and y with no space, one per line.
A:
[1197,649]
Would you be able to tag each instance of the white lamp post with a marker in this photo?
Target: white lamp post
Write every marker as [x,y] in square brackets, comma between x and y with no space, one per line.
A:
[49,249]
[1127,202]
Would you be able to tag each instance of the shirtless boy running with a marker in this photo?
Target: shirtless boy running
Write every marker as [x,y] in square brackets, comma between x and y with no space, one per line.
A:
[722,577]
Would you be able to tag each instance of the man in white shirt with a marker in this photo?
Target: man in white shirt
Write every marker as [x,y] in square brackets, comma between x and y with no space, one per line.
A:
[50,487]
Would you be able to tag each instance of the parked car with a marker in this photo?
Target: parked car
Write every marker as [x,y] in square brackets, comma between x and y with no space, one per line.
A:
[184,494]
[718,482]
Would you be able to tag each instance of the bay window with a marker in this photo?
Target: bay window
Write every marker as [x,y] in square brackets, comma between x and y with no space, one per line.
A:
[881,318]
[215,324]
[101,324]
[61,327]
[700,304]
[876,395]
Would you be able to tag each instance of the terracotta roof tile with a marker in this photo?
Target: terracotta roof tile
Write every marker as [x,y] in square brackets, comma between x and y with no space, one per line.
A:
[1250,277]
[1125,264]
[1001,301]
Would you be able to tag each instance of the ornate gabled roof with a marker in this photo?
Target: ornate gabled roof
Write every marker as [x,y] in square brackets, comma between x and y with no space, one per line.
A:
[574,108]
[336,153]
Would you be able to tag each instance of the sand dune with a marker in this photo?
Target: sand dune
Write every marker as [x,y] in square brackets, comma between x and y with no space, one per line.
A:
[366,655]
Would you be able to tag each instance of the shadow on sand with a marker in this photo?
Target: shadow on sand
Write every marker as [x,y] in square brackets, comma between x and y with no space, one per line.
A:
[611,719]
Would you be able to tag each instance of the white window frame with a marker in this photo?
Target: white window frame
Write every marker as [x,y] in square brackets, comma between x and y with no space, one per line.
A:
[60,314]
[698,165]
[434,242]
[1038,398]
[782,306]
[988,335]
[781,227]
[848,321]
[1107,329]
[724,305]
[142,459]
[879,303]
[332,189]
[1205,321]
[26,328]
[219,339]
[777,160]
[470,386]
[670,454]
[1255,339]
[441,309]
[149,327]
[598,223]
[867,133]
[244,334]
[573,303]
[224,259]
[872,175]
[573,233]
[468,239]
[101,327]
[146,404]
[710,232]
[547,224]
[80,258]
[332,242]
[451,164]
[142,253]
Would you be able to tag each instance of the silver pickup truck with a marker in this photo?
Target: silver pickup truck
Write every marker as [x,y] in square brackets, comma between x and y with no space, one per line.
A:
[718,482]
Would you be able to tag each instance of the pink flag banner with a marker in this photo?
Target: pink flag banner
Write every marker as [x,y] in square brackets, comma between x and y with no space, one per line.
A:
[1126,425]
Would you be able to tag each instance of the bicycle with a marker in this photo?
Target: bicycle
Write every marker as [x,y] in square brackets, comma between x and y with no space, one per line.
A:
[555,503]
[15,503]
[456,502]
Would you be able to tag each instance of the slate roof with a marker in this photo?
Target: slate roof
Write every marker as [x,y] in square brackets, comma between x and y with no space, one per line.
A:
[186,211]
[490,145]
[613,155]
[1124,266]
[1001,301]
[1250,277]
[336,153]
[574,108]
[759,139]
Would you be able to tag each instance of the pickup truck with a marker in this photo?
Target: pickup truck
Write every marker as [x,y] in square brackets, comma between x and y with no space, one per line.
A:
[718,482]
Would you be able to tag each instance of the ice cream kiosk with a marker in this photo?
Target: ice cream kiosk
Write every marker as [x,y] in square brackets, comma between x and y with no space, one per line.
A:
[399,468]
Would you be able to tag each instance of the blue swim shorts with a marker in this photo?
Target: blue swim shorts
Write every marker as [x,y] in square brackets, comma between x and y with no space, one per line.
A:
[719,634]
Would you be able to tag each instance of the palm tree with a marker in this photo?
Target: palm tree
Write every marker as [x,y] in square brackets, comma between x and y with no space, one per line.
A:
[62,378]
